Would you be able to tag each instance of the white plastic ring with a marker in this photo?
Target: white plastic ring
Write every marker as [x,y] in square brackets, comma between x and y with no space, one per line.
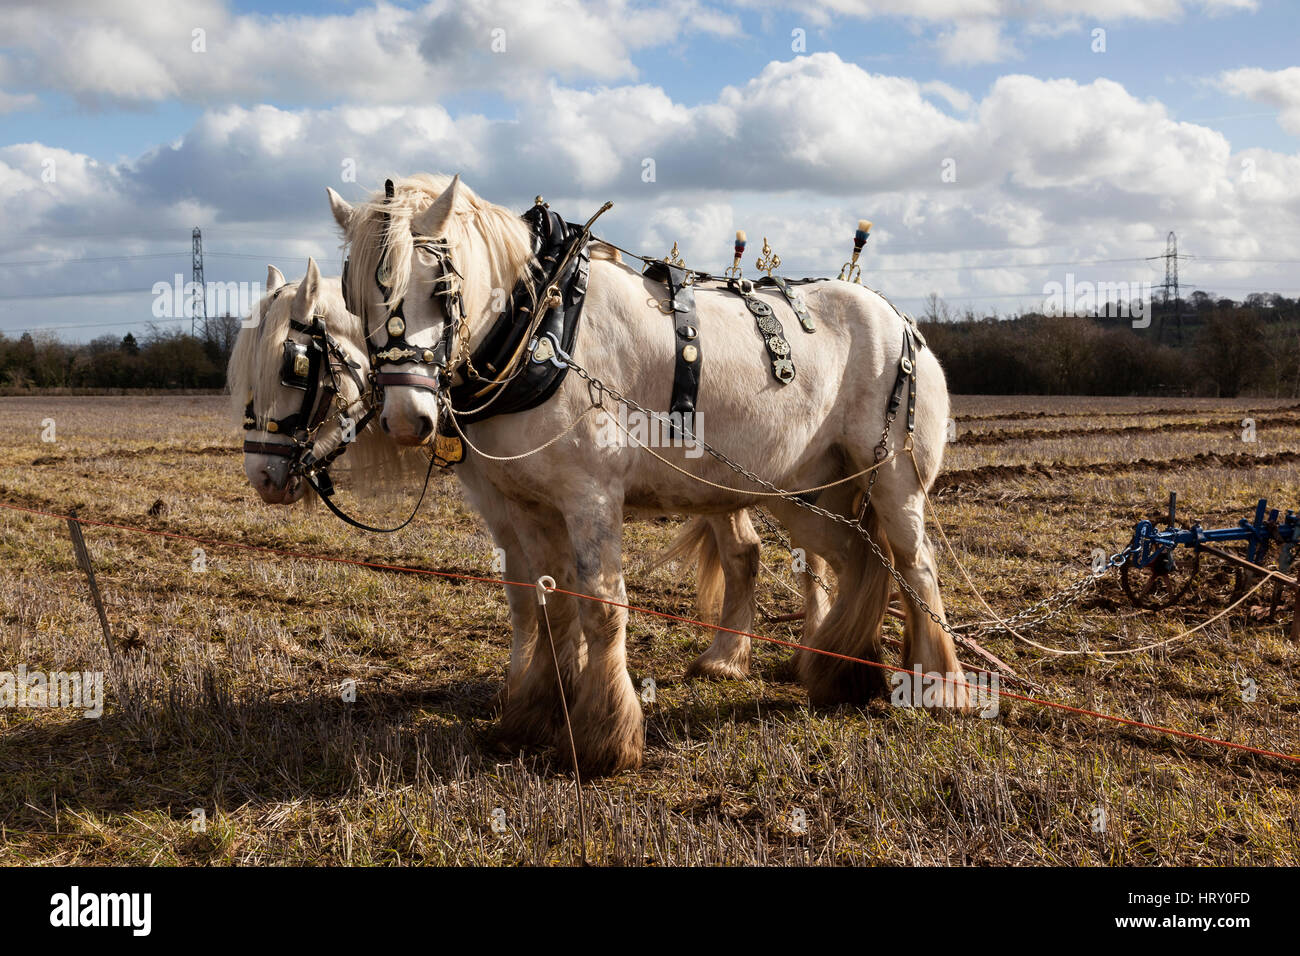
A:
[545,585]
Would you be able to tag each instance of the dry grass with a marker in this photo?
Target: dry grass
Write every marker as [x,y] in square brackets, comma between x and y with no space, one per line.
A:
[229,698]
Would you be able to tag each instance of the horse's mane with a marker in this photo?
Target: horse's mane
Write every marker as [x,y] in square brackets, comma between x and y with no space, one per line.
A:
[372,464]
[381,227]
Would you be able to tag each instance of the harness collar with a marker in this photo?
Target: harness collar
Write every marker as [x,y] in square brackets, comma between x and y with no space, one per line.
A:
[509,371]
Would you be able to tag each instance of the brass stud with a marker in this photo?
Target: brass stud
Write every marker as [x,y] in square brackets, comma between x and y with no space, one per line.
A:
[396,326]
[690,353]
[428,355]
[272,426]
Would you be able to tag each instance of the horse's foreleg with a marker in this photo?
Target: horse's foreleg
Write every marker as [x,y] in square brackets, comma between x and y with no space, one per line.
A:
[496,511]
[737,549]
[608,726]
[532,712]
[523,606]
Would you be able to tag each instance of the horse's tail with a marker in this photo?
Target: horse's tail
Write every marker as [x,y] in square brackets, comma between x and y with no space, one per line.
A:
[852,628]
[698,541]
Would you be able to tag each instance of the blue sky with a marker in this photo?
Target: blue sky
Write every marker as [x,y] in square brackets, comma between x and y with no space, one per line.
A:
[1188,120]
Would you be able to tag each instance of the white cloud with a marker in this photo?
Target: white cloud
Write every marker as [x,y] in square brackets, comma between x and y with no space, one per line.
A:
[9,102]
[1277,88]
[1045,170]
[140,53]
[975,31]
[957,99]
[976,41]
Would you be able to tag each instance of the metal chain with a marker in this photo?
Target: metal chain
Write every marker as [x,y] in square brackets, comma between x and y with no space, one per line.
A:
[853,524]
[1055,604]
[598,390]
[772,527]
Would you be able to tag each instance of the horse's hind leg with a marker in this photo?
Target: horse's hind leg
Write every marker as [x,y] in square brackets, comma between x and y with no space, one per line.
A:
[927,647]
[735,553]
[851,628]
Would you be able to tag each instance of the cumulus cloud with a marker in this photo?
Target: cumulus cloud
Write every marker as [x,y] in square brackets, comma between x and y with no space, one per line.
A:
[976,41]
[957,99]
[200,51]
[1034,172]
[968,32]
[1276,88]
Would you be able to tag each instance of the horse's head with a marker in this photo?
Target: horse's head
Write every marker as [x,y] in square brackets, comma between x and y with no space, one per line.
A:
[429,262]
[297,382]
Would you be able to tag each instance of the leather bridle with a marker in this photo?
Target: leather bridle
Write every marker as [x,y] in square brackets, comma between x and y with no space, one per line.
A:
[315,369]
[396,350]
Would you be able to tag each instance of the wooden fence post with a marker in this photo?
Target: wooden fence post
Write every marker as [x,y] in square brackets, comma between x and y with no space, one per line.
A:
[83,559]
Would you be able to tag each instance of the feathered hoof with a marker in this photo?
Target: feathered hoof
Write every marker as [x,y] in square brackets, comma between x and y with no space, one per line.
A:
[608,732]
[717,668]
[521,727]
[603,758]
[830,682]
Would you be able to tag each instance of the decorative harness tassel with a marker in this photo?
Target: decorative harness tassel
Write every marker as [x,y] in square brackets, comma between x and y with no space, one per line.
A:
[769,326]
[851,271]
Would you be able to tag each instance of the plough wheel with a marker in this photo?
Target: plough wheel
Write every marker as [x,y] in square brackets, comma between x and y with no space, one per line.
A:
[1223,584]
[1161,584]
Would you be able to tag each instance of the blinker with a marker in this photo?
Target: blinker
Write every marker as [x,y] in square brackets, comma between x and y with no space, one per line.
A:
[295,370]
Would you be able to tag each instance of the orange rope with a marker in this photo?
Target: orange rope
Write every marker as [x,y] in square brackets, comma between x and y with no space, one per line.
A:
[1083,711]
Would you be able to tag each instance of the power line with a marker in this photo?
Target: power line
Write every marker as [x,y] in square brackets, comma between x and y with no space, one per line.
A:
[129,323]
[73,295]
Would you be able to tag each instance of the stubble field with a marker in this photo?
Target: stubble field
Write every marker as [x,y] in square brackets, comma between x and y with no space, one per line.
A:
[226,696]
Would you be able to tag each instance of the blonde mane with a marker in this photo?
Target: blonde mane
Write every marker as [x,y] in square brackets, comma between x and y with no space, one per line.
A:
[380,229]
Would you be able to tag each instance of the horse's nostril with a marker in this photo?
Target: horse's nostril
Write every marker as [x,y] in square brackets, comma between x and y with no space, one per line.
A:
[384,422]
[426,426]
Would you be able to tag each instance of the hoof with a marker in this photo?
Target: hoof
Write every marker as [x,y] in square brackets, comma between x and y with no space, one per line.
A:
[830,682]
[601,760]
[712,667]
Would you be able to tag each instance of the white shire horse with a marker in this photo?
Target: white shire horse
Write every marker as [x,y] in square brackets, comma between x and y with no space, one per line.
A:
[434,238]
[726,546]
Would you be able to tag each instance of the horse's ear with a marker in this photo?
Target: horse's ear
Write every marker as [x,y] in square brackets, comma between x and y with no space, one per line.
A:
[274,279]
[304,302]
[433,221]
[341,208]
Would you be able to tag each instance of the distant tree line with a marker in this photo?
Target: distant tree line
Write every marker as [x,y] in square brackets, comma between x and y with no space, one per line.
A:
[159,359]
[1227,349]
[1198,346]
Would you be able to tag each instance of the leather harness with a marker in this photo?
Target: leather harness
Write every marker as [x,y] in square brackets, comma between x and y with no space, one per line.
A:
[301,368]
[542,326]
[518,365]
